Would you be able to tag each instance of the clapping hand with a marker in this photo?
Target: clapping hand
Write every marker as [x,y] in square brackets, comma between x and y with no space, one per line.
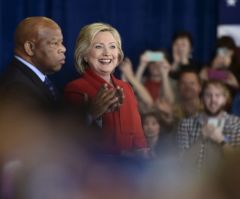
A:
[105,99]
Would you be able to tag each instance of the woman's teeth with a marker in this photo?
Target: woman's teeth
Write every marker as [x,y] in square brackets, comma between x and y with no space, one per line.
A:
[105,61]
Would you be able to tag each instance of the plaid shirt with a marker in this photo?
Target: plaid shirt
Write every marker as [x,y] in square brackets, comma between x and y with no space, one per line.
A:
[190,137]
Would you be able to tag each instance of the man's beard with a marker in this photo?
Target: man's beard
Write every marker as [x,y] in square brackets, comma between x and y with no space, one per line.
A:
[216,113]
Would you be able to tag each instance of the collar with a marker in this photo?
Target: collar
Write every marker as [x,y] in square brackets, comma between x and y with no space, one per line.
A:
[89,73]
[32,68]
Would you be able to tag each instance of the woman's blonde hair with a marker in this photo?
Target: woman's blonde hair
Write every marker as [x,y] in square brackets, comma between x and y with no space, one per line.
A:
[84,41]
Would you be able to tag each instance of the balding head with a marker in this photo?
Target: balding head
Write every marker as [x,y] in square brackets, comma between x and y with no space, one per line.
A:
[29,29]
[39,41]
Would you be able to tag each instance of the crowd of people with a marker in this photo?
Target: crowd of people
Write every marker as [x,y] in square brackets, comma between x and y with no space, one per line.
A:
[168,115]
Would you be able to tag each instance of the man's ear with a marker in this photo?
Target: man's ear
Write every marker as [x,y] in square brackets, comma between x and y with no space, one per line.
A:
[29,48]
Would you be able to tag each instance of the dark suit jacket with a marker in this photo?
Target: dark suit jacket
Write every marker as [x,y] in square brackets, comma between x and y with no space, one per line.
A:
[21,85]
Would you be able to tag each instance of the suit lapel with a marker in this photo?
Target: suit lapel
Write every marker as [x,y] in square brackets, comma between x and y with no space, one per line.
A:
[33,77]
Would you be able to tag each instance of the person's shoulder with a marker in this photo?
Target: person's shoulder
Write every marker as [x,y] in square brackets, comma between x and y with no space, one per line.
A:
[232,118]
[118,81]
[11,69]
[18,71]
[76,83]
[189,121]
[122,83]
[232,123]
[14,78]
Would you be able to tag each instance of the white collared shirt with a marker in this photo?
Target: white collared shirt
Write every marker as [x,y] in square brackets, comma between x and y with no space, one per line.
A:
[32,68]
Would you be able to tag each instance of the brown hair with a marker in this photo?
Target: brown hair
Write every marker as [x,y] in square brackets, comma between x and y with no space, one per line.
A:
[220,85]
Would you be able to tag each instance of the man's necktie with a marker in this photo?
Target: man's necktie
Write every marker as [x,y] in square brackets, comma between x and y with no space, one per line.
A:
[51,88]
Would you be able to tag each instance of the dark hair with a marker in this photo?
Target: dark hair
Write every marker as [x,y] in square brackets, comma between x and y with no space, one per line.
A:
[193,71]
[151,114]
[159,117]
[219,84]
[182,34]
[229,43]
[226,41]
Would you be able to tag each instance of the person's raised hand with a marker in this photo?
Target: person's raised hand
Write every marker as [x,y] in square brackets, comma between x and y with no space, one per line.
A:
[144,59]
[104,99]
[164,67]
[126,68]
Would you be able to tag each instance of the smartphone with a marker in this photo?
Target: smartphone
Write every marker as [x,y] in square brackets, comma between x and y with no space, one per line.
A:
[222,51]
[213,121]
[217,74]
[154,56]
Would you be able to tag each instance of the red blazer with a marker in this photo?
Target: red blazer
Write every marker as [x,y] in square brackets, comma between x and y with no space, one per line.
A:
[122,129]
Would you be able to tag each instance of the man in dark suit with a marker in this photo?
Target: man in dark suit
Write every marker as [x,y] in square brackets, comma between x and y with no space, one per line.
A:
[39,51]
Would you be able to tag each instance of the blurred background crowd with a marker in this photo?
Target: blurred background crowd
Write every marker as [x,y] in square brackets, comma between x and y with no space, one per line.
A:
[176,54]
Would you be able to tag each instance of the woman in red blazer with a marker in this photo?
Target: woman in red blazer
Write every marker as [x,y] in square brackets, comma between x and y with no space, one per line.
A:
[98,52]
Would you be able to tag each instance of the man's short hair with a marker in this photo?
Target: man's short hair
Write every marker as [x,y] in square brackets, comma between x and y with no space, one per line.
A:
[192,71]
[220,85]
[182,34]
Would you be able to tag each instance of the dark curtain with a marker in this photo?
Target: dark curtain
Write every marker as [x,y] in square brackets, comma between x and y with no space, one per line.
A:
[143,24]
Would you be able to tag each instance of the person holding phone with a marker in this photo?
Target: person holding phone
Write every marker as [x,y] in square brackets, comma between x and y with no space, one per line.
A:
[113,104]
[157,66]
[155,85]
[223,64]
[206,136]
